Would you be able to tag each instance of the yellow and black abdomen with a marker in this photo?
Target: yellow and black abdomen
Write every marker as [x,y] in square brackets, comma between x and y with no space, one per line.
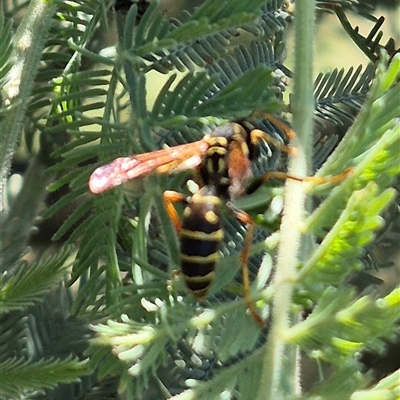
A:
[200,237]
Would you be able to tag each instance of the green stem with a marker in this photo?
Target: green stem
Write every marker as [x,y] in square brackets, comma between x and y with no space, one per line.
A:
[28,45]
[280,369]
[16,228]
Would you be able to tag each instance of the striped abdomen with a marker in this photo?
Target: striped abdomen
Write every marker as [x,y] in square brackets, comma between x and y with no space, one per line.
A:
[200,237]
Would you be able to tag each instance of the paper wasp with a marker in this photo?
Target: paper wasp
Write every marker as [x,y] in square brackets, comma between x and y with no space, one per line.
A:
[223,161]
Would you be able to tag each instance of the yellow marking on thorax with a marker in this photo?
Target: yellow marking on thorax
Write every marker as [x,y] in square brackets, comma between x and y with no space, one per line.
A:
[221,166]
[218,140]
[210,165]
[225,180]
[221,151]
[245,149]
[206,199]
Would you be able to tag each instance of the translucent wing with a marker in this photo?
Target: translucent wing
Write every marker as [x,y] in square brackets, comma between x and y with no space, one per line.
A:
[123,169]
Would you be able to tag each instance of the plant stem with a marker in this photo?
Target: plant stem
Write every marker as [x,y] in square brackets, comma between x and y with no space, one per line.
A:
[28,45]
[280,369]
[16,228]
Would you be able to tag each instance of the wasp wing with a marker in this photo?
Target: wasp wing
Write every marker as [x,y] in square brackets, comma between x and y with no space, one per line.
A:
[123,169]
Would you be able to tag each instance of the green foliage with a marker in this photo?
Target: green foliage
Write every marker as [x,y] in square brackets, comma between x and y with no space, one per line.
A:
[25,365]
[6,49]
[124,317]
[28,376]
[29,283]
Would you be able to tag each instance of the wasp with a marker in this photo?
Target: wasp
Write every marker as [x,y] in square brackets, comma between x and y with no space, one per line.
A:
[223,162]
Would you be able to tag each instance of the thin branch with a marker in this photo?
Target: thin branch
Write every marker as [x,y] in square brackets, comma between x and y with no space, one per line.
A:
[28,46]
[280,363]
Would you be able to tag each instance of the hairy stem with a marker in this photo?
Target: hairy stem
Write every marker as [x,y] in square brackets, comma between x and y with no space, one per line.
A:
[280,370]
[28,45]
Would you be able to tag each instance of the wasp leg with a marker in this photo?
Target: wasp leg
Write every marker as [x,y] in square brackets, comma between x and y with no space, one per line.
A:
[316,180]
[268,176]
[257,134]
[282,125]
[321,180]
[246,219]
[170,197]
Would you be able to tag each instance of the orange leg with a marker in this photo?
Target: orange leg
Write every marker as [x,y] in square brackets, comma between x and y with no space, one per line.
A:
[245,218]
[316,180]
[290,134]
[282,125]
[320,180]
[268,176]
[170,197]
[258,134]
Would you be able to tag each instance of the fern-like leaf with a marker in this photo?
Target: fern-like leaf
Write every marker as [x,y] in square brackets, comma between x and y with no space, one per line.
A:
[5,50]
[25,376]
[339,96]
[30,282]
[193,41]
[369,44]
